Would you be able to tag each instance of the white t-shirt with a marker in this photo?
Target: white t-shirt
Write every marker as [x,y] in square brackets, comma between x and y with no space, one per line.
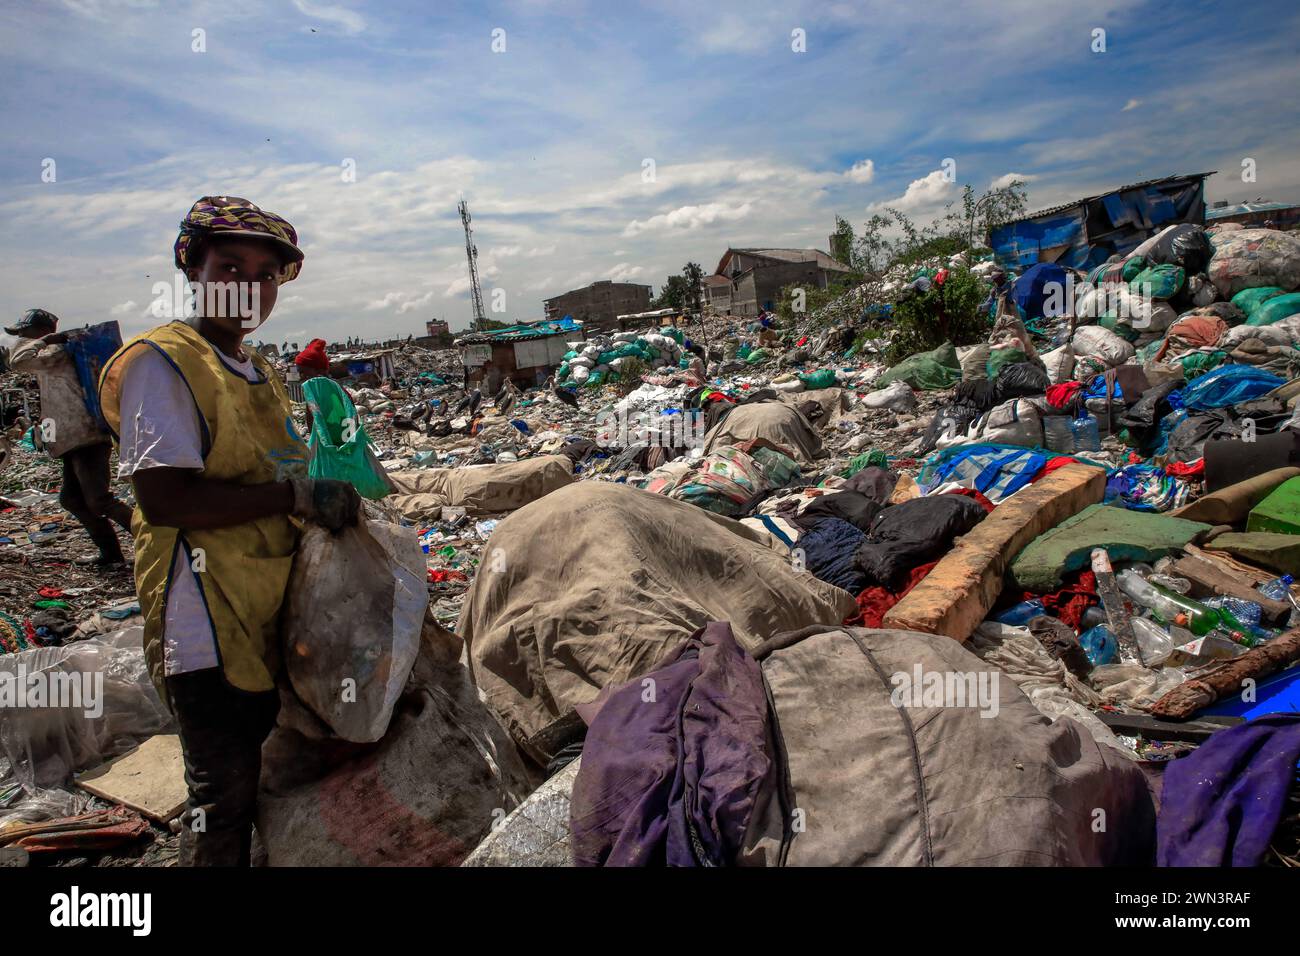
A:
[160,429]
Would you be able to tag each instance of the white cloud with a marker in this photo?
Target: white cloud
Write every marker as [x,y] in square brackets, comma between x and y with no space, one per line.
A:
[863,171]
[922,195]
[349,21]
[122,308]
[624,272]
[1006,179]
[1131,105]
[689,217]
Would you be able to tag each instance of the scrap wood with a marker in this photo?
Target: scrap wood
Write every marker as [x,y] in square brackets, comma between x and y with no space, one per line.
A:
[1216,576]
[1226,680]
[149,779]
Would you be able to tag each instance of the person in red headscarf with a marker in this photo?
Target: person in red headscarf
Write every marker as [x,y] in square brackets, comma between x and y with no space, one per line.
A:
[312,360]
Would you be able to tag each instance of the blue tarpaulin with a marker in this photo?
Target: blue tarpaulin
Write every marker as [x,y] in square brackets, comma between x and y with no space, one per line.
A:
[1029,290]
[1228,385]
[1086,233]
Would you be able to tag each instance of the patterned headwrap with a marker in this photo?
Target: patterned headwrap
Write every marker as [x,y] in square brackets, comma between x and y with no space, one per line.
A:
[230,215]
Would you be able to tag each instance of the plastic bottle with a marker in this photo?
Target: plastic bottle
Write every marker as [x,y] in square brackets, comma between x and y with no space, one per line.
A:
[1247,612]
[1099,645]
[1086,433]
[1153,640]
[1170,607]
[1022,613]
[1279,589]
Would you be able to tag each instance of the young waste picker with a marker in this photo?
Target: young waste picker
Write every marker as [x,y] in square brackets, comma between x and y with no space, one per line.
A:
[205,435]
[70,433]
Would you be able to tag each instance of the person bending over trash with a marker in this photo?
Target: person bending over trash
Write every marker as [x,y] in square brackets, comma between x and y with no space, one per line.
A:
[70,433]
[206,437]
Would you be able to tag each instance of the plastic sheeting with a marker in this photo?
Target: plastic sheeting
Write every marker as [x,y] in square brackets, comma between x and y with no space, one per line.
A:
[111,706]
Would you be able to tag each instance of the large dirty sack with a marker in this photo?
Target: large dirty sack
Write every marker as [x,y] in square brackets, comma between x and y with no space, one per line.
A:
[480,489]
[882,776]
[351,623]
[114,707]
[600,582]
[776,422]
[536,833]
[425,795]
[1255,257]
[931,371]
[1093,340]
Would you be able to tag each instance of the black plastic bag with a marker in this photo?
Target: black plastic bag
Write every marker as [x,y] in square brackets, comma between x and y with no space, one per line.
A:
[1020,380]
[1185,245]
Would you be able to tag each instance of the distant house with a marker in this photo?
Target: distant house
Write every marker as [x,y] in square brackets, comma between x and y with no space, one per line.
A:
[1283,215]
[599,305]
[526,354]
[438,333]
[1087,232]
[749,280]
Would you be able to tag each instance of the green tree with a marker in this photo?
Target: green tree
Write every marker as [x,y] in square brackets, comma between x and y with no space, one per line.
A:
[842,241]
[693,276]
[976,218]
[673,295]
[945,313]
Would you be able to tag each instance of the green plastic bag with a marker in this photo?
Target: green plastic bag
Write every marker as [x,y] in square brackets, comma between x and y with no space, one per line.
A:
[1132,267]
[756,356]
[1165,280]
[1000,357]
[930,371]
[1111,323]
[1196,364]
[1276,309]
[822,378]
[1248,300]
[338,441]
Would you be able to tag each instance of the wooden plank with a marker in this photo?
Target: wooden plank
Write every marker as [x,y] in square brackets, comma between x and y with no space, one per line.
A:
[966,582]
[1208,575]
[149,779]
[1194,731]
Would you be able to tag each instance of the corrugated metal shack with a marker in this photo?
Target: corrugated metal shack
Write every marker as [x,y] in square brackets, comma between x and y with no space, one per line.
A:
[526,354]
[1087,232]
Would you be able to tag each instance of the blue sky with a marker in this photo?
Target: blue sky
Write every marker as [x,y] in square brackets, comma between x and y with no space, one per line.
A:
[752,142]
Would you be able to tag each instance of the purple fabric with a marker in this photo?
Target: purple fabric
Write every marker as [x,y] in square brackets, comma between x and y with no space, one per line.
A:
[1222,803]
[670,769]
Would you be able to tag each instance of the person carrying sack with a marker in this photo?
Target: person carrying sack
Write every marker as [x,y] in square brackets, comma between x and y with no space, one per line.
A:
[69,432]
[205,435]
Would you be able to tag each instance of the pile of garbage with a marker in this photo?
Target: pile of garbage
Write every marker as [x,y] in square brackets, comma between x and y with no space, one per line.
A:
[1067,546]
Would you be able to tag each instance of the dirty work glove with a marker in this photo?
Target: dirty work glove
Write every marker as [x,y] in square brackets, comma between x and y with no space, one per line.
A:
[328,502]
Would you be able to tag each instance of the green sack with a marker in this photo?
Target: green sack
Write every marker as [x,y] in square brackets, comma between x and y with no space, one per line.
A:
[1111,323]
[756,356]
[332,456]
[933,370]
[1132,267]
[1276,309]
[1000,357]
[1248,300]
[1165,280]
[1196,364]
[822,378]
[867,459]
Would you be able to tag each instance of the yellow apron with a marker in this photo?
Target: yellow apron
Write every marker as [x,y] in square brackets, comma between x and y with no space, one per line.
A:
[248,438]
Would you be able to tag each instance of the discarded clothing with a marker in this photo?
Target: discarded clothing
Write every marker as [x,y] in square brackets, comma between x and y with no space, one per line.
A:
[1221,804]
[829,554]
[672,781]
[913,533]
